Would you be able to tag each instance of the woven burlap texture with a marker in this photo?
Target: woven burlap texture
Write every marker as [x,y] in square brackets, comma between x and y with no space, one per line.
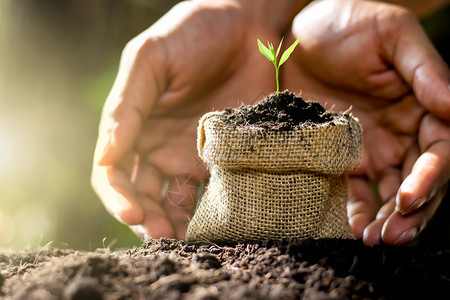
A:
[275,184]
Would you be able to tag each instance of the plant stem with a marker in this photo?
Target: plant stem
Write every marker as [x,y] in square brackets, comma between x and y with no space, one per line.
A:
[276,78]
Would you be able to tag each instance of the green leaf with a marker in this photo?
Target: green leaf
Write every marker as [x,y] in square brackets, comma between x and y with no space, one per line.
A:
[279,47]
[272,49]
[266,52]
[288,52]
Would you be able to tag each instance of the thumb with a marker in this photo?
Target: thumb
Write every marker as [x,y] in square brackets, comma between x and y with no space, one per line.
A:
[406,46]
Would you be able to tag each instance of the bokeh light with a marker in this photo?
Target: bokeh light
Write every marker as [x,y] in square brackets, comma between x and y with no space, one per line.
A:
[58,60]
[6,150]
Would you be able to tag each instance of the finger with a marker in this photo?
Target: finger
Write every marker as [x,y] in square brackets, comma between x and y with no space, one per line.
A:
[134,93]
[384,148]
[372,233]
[407,47]
[400,229]
[117,134]
[362,207]
[117,193]
[389,184]
[427,174]
[411,156]
[181,197]
[140,232]
[402,117]
[430,170]
[432,130]
[148,182]
[387,188]
[156,223]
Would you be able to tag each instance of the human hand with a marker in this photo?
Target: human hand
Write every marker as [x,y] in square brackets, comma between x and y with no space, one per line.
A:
[376,58]
[200,56]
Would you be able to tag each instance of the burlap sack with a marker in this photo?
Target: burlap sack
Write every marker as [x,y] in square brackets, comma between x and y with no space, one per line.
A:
[275,184]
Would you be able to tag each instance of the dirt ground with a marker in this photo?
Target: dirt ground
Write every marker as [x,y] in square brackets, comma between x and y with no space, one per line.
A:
[171,269]
[290,269]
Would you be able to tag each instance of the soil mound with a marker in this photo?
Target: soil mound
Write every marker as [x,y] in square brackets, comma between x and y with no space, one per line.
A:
[171,269]
[284,112]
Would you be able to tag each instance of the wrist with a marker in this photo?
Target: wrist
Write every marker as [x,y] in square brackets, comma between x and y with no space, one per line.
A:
[277,15]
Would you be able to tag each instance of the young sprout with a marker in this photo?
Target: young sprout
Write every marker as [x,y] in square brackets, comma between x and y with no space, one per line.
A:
[272,56]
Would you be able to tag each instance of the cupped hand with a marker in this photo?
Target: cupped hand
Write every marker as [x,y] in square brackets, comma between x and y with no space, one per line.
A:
[376,59]
[200,56]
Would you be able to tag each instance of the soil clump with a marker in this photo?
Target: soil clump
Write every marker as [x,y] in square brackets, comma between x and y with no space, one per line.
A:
[172,269]
[284,112]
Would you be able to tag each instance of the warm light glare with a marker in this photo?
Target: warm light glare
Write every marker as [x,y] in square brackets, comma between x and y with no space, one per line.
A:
[6,150]
[7,229]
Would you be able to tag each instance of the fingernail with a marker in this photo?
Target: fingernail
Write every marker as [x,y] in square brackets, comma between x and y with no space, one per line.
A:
[105,150]
[140,231]
[415,205]
[406,236]
[119,218]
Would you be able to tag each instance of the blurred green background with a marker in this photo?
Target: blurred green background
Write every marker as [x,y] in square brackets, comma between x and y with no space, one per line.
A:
[58,60]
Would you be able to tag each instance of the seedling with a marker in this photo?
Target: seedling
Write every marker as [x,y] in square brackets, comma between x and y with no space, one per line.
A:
[272,56]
